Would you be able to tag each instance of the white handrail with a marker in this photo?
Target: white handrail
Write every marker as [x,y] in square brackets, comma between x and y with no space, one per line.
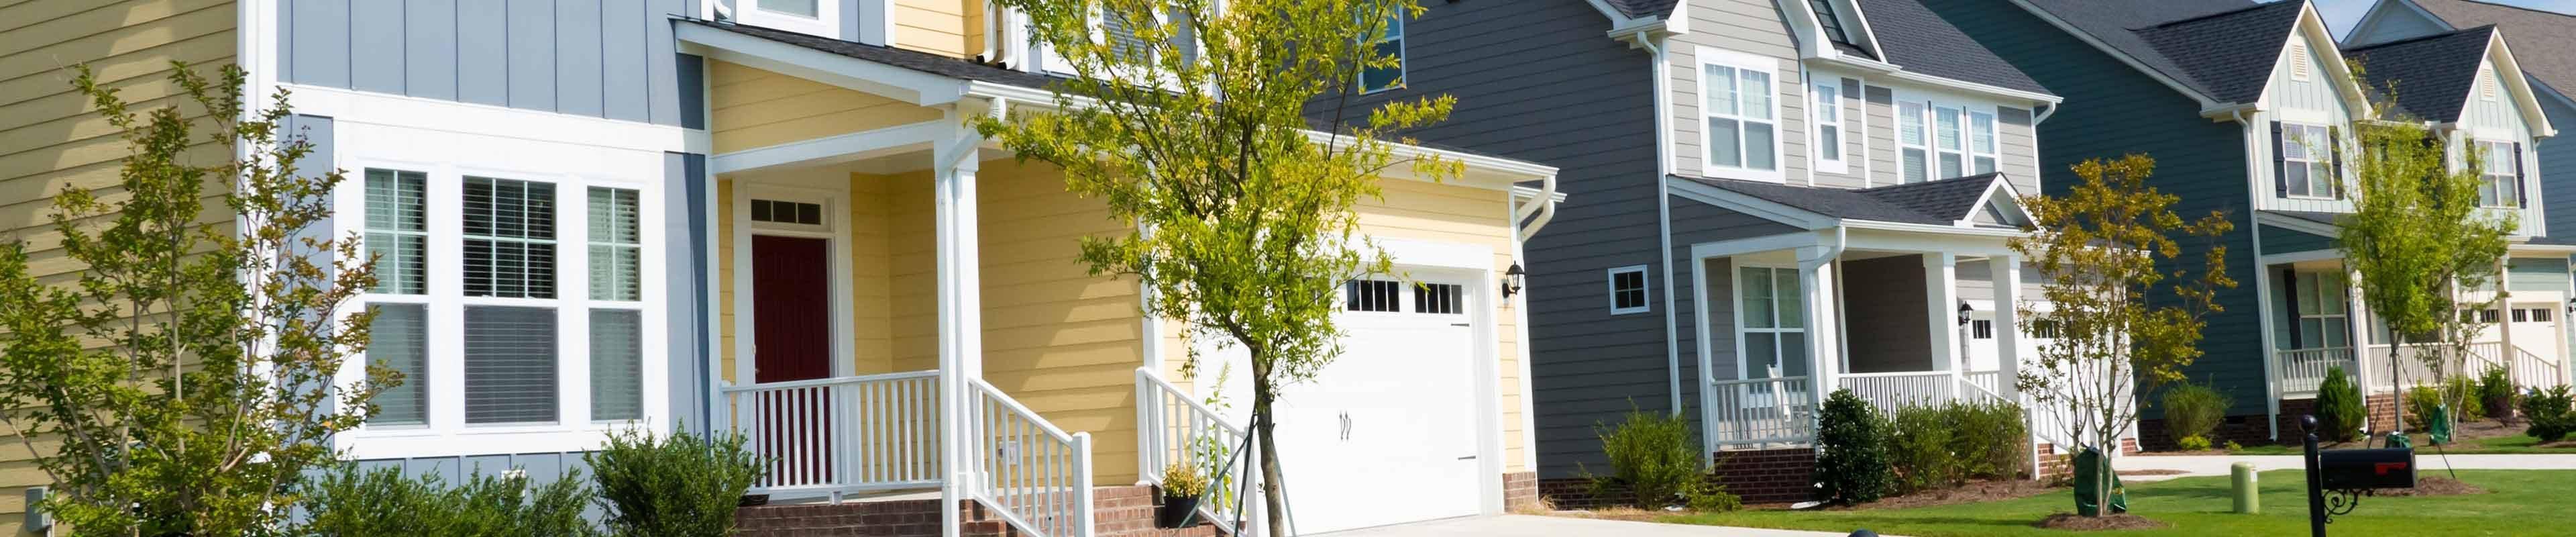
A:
[832,435]
[1174,426]
[1889,390]
[1761,411]
[1035,477]
[2303,370]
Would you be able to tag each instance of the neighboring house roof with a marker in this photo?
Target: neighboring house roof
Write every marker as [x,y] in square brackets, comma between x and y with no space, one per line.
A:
[1939,202]
[2222,49]
[1921,41]
[1637,9]
[2431,75]
[908,59]
[2549,35]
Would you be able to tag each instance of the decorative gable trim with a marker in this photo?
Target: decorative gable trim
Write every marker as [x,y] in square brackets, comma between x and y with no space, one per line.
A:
[2312,38]
[2002,198]
[2499,56]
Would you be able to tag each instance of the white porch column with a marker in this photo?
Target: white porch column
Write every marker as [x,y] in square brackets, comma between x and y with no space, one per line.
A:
[1816,289]
[2006,271]
[961,357]
[2504,324]
[2357,331]
[1941,300]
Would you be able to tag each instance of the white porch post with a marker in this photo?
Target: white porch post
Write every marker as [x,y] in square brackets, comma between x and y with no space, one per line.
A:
[1941,300]
[2504,325]
[1815,287]
[2357,333]
[961,356]
[2006,271]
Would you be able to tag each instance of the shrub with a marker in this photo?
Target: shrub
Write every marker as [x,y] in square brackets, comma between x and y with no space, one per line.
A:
[2193,410]
[2232,446]
[2495,392]
[1918,446]
[2464,390]
[1711,497]
[682,485]
[2549,414]
[2192,443]
[1990,439]
[2421,400]
[384,501]
[1851,463]
[2339,411]
[1653,455]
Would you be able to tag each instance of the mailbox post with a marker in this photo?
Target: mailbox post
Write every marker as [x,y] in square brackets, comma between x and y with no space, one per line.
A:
[2337,479]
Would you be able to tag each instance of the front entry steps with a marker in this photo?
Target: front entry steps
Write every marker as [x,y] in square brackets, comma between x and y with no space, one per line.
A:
[1123,511]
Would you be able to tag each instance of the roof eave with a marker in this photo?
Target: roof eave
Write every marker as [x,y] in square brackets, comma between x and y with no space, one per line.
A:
[2206,102]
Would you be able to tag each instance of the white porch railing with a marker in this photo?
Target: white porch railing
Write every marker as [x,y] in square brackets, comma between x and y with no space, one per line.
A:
[2535,371]
[2526,368]
[2302,370]
[824,436]
[1033,475]
[1761,411]
[1176,427]
[1991,381]
[1887,391]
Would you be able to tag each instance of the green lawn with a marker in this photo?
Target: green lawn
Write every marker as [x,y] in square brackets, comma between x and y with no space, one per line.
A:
[2518,443]
[2527,502]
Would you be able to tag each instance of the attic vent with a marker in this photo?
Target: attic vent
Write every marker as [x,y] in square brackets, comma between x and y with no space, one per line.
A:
[2487,86]
[2299,62]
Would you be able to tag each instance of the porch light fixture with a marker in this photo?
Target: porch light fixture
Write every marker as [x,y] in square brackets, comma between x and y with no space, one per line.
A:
[1512,282]
[1963,312]
[2571,306]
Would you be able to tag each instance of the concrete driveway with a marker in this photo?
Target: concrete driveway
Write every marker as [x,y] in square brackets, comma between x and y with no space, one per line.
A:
[1549,526]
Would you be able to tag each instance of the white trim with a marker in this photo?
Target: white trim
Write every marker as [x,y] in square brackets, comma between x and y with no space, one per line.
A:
[345,106]
[1403,76]
[1610,278]
[2012,197]
[1817,108]
[1425,253]
[1741,63]
[2297,224]
[836,248]
[833,149]
[899,83]
[1735,247]
[825,22]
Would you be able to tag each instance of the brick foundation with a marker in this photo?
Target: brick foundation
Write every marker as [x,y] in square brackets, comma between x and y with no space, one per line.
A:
[1769,475]
[1118,512]
[1520,493]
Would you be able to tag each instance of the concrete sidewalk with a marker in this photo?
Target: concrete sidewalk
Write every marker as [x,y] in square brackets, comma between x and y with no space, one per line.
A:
[2426,459]
[1550,526]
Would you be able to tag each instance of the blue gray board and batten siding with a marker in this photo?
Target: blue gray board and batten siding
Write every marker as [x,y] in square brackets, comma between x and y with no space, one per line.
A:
[1555,91]
[612,59]
[2115,110]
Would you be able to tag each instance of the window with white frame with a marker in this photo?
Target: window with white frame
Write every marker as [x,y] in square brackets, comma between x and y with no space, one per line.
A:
[1950,140]
[517,332]
[1390,44]
[1771,322]
[2307,161]
[1740,118]
[1829,127]
[1628,290]
[2499,174]
[810,17]
[1982,147]
[2323,322]
[1914,142]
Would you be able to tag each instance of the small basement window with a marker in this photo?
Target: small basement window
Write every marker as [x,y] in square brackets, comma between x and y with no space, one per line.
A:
[1628,290]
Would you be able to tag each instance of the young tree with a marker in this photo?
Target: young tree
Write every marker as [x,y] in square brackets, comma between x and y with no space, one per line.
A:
[2125,325]
[184,378]
[1195,131]
[2418,241]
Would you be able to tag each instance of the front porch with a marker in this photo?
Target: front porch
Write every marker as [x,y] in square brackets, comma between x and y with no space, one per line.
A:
[2314,316]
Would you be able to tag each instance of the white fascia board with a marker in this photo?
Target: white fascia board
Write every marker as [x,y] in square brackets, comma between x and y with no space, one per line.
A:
[2003,183]
[2206,103]
[2524,95]
[916,87]
[1860,19]
[1937,229]
[1765,209]
[1806,31]
[2301,225]
[1766,243]
[833,149]
[1527,193]
[2312,27]
[2550,249]
[1678,21]
[1890,70]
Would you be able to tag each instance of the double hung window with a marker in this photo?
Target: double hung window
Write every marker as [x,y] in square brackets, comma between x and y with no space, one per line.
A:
[1741,125]
[1937,140]
[2322,320]
[1914,141]
[2307,161]
[1771,322]
[2499,174]
[1829,127]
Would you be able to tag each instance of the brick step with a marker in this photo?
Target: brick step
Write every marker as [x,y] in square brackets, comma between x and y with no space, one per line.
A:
[1120,511]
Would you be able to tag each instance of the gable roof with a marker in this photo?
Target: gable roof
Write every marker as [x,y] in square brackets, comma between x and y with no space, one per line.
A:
[1940,202]
[1643,8]
[2223,50]
[1914,37]
[2431,74]
[2551,33]
[908,59]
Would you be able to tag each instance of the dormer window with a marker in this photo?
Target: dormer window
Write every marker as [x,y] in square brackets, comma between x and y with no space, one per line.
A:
[2306,161]
[2499,174]
[810,17]
[1831,22]
[1740,122]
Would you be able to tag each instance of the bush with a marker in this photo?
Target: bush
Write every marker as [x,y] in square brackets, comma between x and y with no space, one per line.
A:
[2232,446]
[1851,463]
[1991,439]
[682,485]
[2495,392]
[1918,446]
[2549,414]
[2192,443]
[1711,497]
[2421,400]
[2339,410]
[384,501]
[1653,455]
[2465,390]
[2193,410]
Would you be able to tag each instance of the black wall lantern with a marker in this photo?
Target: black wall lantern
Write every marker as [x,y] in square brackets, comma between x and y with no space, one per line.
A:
[1963,312]
[2571,306]
[1512,280]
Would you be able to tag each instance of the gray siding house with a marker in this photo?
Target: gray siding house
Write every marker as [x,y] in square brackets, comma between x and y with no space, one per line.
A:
[1766,201]
[2238,100]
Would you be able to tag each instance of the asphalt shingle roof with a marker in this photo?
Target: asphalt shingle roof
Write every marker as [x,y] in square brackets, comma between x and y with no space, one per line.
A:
[2222,49]
[2543,39]
[908,59]
[1932,202]
[1914,37]
[1643,8]
[2430,75]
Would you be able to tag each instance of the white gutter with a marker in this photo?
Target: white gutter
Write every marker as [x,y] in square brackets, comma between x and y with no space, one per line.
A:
[1664,211]
[1899,72]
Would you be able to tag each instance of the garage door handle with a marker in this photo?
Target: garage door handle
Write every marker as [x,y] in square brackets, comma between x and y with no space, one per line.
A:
[1467,458]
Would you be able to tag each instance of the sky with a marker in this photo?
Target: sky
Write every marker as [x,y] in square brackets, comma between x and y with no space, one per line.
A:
[2342,14]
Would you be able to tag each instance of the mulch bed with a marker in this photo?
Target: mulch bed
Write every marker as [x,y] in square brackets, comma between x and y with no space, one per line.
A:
[2119,521]
[2434,486]
[1973,492]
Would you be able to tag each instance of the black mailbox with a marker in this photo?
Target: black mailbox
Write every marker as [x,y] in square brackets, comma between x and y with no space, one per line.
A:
[2346,469]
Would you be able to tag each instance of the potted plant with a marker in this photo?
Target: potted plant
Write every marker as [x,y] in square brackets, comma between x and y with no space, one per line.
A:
[1183,484]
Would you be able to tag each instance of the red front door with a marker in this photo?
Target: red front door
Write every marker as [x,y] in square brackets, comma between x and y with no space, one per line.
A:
[791,340]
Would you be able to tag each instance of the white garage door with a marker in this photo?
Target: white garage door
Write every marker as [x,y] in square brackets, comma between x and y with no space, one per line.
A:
[1387,433]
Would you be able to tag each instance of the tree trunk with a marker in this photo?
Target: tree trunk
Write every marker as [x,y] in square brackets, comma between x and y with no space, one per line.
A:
[2396,399]
[1272,499]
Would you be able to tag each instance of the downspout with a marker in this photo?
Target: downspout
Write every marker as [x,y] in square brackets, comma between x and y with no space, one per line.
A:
[2262,289]
[1817,373]
[1664,214]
